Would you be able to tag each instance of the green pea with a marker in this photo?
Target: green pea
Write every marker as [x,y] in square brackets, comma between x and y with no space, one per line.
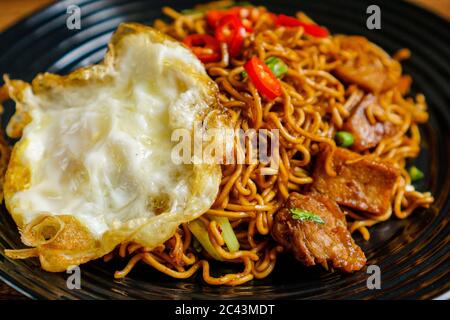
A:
[344,139]
[415,173]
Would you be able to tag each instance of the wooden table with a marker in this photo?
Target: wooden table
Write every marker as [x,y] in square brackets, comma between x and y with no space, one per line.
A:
[12,11]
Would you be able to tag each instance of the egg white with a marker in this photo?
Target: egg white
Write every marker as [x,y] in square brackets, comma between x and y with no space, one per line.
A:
[97,148]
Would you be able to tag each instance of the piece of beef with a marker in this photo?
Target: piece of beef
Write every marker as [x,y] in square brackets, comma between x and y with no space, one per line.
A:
[365,185]
[366,134]
[329,244]
[366,69]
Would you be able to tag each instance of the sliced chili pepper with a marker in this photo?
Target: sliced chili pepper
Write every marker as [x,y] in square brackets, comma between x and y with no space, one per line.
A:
[213,17]
[231,31]
[276,65]
[273,17]
[247,15]
[247,25]
[287,21]
[204,46]
[311,29]
[264,80]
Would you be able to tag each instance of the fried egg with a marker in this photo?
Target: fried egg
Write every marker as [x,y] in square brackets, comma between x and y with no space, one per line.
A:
[93,167]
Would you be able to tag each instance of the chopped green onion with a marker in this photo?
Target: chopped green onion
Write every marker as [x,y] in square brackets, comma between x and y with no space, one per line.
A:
[227,233]
[239,4]
[200,232]
[344,139]
[276,65]
[197,246]
[190,11]
[202,8]
[194,13]
[304,215]
[415,173]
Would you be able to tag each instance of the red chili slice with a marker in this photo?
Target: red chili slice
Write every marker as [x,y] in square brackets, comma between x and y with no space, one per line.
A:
[213,17]
[287,21]
[204,46]
[247,15]
[311,29]
[231,31]
[273,17]
[263,79]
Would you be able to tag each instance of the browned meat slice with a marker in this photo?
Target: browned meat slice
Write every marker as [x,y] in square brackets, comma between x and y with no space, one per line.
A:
[366,134]
[3,93]
[367,77]
[370,67]
[329,244]
[365,185]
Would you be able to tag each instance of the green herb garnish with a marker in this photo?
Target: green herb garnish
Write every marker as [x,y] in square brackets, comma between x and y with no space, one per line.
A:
[304,215]
[201,9]
[415,173]
[277,66]
[240,4]
[193,13]
[200,232]
[197,246]
[227,233]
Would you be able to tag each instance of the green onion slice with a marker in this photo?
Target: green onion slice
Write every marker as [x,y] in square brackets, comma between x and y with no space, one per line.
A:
[200,232]
[227,233]
[415,173]
[304,215]
[277,66]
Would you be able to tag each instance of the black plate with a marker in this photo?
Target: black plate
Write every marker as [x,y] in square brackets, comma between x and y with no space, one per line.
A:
[412,254]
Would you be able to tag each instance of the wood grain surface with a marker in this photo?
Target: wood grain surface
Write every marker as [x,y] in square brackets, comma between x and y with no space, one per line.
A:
[12,11]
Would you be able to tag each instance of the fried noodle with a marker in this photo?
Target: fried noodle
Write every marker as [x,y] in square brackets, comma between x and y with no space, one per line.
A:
[314,105]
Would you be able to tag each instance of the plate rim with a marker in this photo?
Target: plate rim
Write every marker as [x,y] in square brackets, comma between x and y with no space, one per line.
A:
[23,22]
